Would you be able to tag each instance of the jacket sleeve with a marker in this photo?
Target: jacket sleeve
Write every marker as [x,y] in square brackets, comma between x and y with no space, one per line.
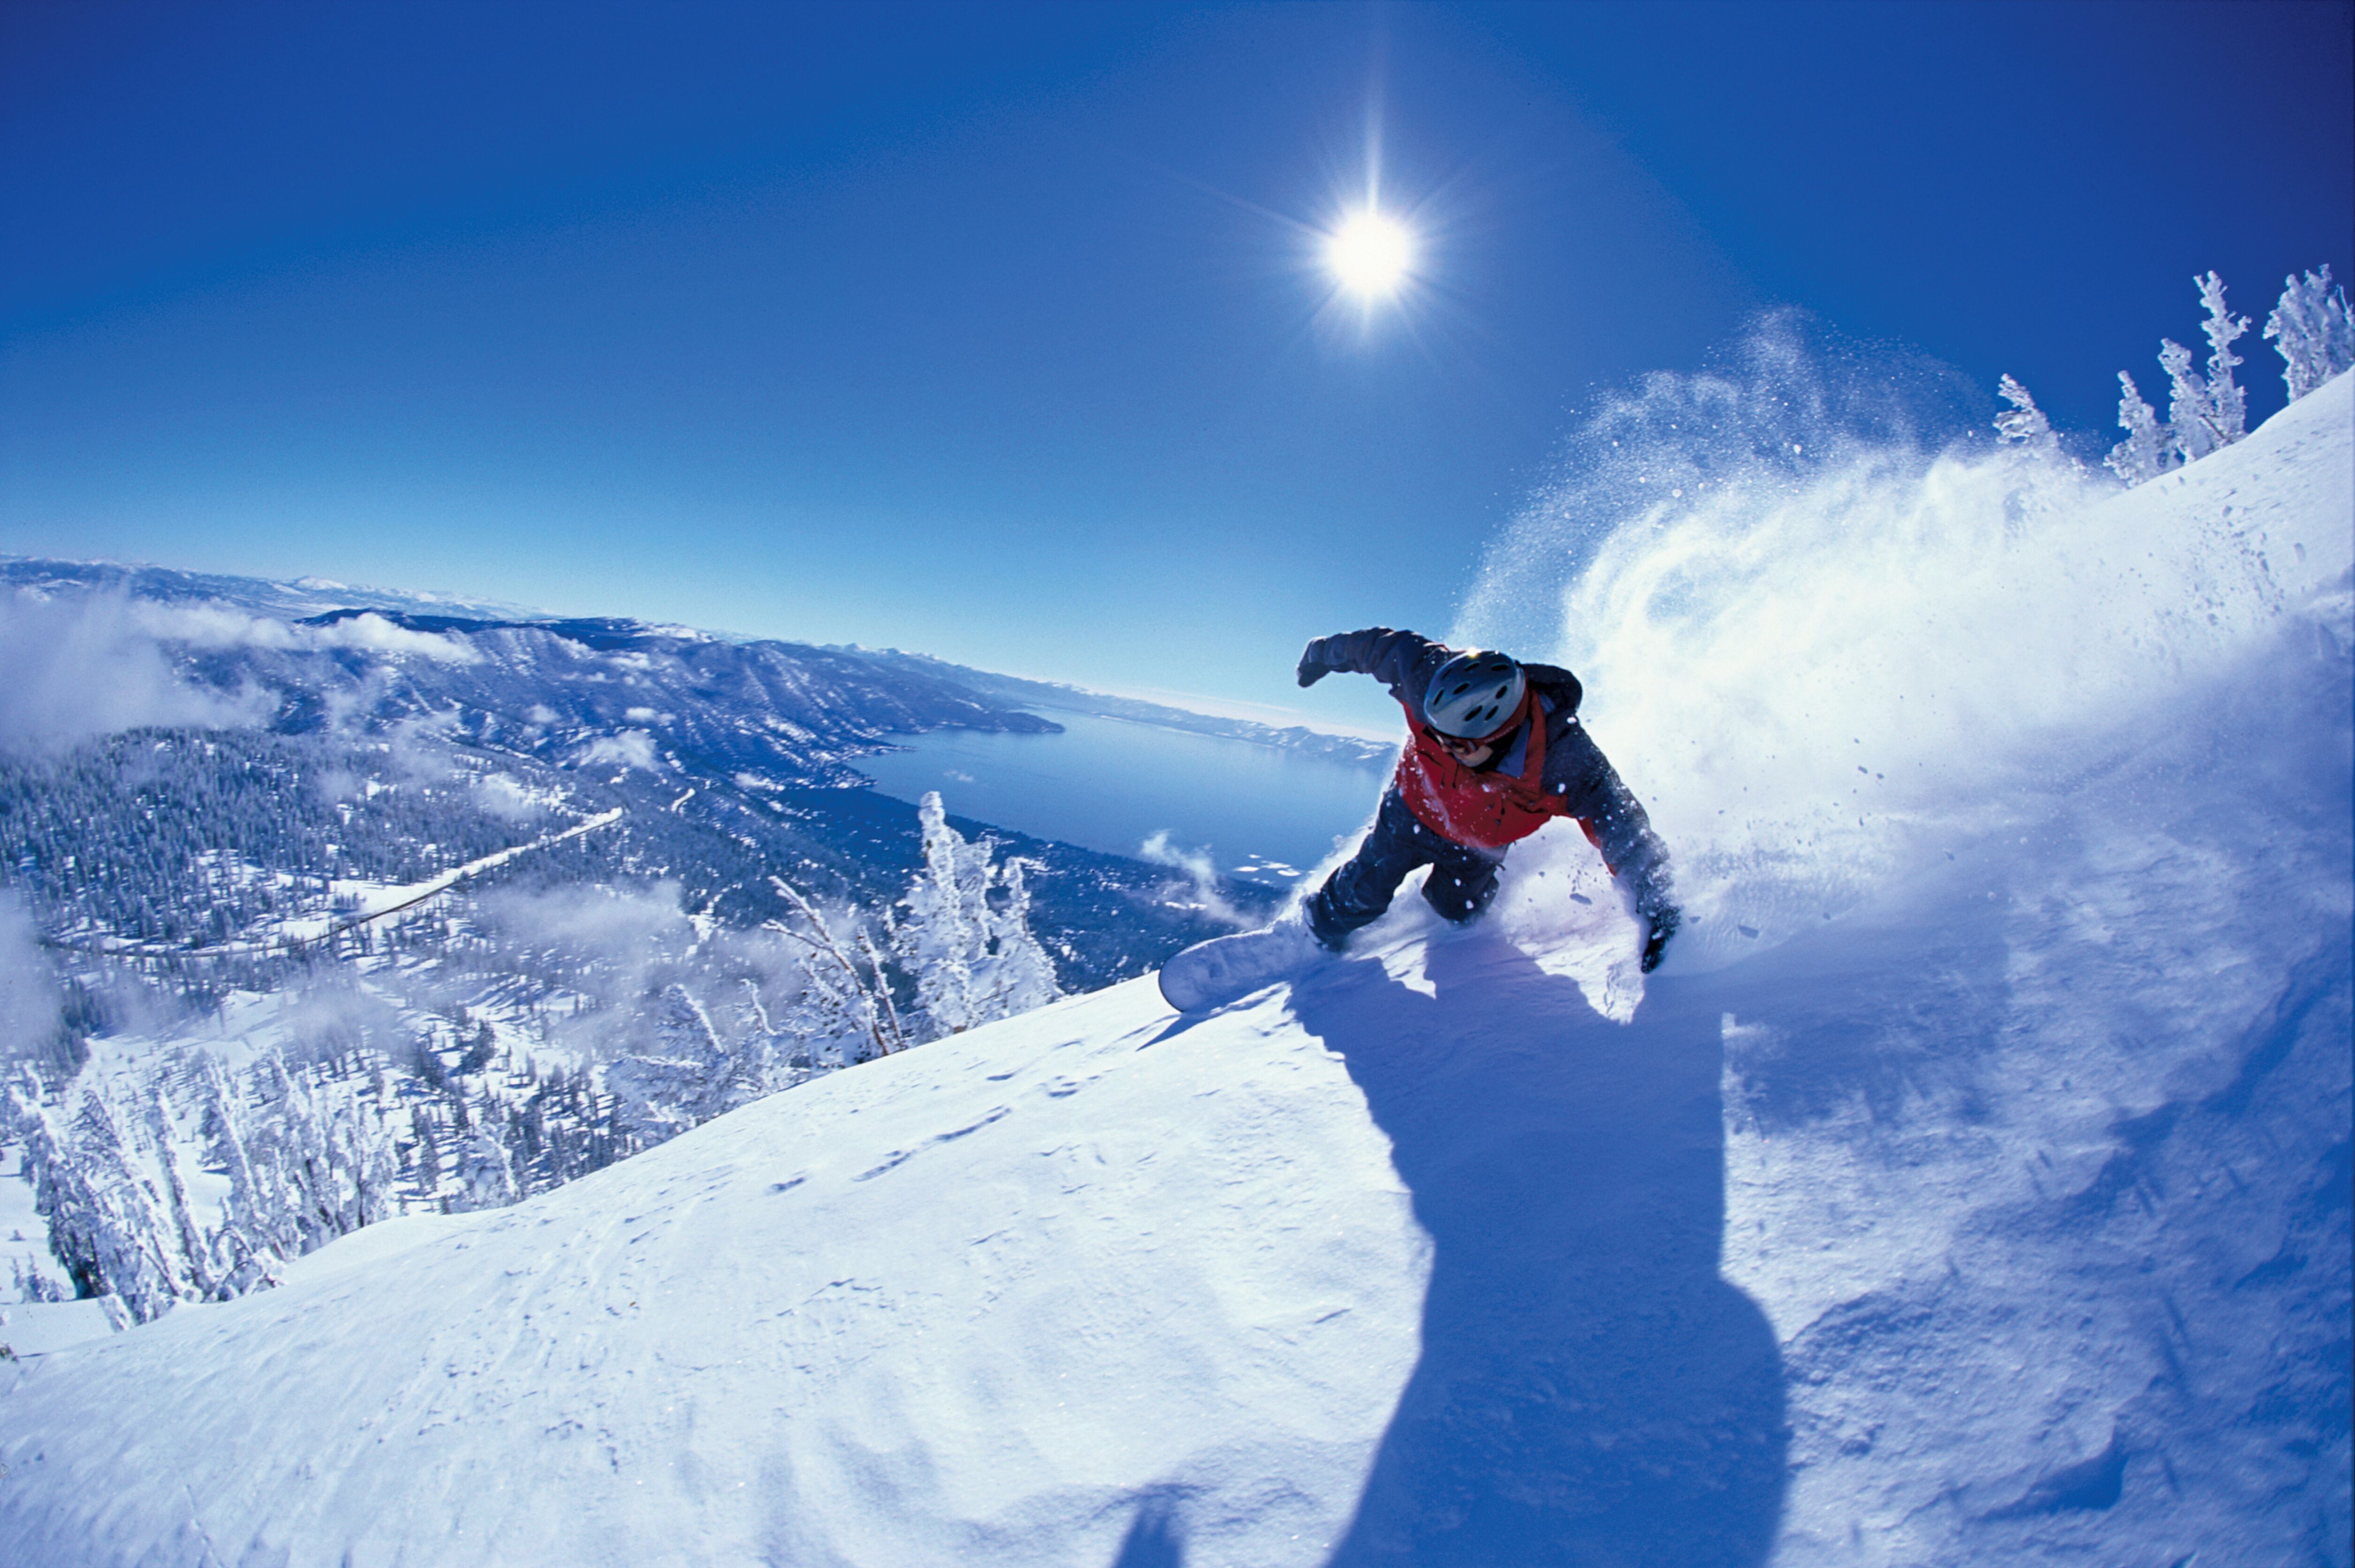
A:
[1590,789]
[1400,660]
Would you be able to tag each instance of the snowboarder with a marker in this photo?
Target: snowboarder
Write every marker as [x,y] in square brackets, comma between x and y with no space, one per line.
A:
[1495,751]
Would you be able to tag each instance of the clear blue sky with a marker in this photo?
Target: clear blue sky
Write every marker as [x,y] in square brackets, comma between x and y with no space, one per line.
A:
[994,331]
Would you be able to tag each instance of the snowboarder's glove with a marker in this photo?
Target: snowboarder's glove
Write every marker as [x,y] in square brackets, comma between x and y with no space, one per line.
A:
[1312,668]
[1664,923]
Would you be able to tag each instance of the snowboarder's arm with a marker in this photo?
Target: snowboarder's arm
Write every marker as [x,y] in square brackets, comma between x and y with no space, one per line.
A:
[1590,789]
[1400,660]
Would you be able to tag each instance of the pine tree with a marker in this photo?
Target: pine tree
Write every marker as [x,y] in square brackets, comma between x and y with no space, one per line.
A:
[486,1176]
[2025,425]
[2189,428]
[1022,975]
[687,1079]
[2206,414]
[106,1222]
[2227,405]
[428,1161]
[2313,330]
[844,1012]
[967,937]
[946,931]
[2146,452]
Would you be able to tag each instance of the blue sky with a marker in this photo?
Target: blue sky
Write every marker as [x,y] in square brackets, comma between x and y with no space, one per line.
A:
[996,331]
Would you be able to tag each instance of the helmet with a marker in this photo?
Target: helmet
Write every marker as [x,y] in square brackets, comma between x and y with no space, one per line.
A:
[1473,695]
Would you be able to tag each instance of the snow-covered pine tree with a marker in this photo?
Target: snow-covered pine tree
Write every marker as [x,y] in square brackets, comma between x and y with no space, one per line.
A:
[2041,468]
[2024,425]
[31,1284]
[2206,414]
[2146,452]
[844,1013]
[686,1080]
[972,955]
[2227,405]
[2313,331]
[107,1225]
[2188,429]
[487,1175]
[428,1161]
[189,1237]
[944,931]
[1021,974]
[882,1012]
[318,1165]
[244,1262]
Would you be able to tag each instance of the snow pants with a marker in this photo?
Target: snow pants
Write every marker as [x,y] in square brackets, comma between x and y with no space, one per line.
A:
[1463,880]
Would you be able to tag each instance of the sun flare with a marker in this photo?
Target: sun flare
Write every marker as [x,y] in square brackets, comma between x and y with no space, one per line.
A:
[1370,253]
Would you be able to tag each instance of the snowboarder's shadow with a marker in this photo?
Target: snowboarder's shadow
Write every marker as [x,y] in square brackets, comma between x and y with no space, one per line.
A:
[1590,1391]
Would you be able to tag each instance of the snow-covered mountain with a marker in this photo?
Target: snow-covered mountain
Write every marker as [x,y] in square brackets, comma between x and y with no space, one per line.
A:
[1972,1185]
[455,735]
[321,906]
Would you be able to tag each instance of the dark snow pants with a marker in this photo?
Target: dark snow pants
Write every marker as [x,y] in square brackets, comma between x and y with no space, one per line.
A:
[1462,882]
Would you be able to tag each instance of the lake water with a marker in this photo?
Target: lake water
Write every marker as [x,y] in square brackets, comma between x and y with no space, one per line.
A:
[1113,783]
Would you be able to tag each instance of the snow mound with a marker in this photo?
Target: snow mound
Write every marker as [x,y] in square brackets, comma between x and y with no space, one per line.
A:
[1994,1208]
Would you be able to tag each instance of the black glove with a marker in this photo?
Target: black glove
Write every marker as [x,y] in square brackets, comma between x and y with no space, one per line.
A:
[1312,668]
[1664,923]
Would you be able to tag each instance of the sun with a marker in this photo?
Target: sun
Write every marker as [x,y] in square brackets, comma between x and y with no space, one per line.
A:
[1370,253]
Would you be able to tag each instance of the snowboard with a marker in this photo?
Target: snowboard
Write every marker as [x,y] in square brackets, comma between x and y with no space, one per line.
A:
[1228,968]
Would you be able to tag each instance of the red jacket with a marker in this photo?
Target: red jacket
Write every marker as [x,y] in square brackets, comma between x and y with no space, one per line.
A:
[1485,808]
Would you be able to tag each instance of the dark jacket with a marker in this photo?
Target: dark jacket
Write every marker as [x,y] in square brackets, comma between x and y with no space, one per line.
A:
[1576,778]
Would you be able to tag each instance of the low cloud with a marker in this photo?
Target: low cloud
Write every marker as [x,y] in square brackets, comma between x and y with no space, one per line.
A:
[502,797]
[418,749]
[214,625]
[29,998]
[630,748]
[616,938]
[333,1012]
[75,668]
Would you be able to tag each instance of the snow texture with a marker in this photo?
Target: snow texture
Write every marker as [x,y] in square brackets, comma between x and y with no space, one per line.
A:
[1972,1184]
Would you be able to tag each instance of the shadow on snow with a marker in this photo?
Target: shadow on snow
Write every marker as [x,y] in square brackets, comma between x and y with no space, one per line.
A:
[1590,1391]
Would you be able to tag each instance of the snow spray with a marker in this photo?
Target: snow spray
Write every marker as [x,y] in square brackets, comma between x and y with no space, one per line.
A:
[1829,629]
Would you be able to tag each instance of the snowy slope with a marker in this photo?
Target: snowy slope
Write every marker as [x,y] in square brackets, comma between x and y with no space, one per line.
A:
[1974,1188]
[960,1306]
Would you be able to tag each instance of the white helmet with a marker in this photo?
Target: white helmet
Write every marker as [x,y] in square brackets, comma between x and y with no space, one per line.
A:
[1473,695]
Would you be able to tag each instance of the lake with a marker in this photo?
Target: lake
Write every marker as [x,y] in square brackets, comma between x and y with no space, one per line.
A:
[1260,812]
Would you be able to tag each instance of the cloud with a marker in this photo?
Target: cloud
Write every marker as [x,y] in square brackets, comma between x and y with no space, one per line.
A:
[376,634]
[29,998]
[76,667]
[214,625]
[631,747]
[1200,873]
[508,800]
[418,749]
[333,1012]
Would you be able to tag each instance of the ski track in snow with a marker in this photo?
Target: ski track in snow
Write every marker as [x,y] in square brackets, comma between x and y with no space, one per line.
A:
[2003,1217]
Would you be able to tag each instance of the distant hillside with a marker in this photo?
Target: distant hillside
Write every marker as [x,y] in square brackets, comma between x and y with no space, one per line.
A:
[1054,695]
[325,913]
